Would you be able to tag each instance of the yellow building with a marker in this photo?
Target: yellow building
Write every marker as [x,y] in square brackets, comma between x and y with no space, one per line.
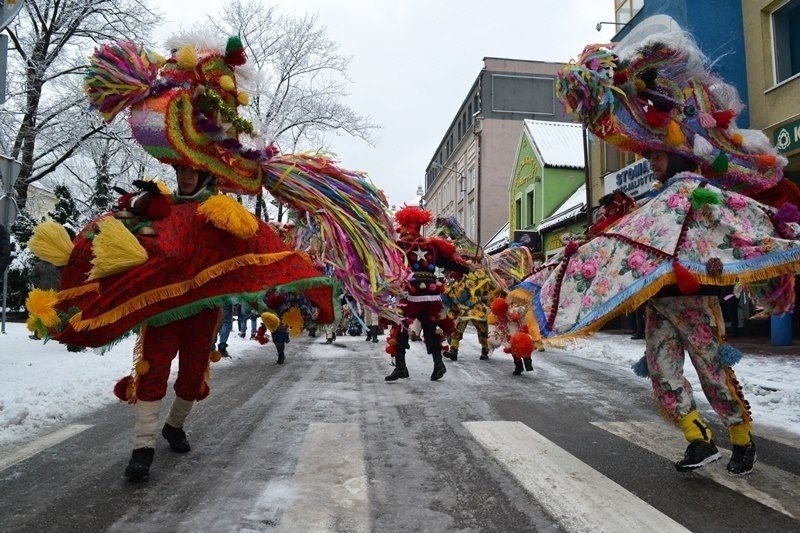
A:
[773,74]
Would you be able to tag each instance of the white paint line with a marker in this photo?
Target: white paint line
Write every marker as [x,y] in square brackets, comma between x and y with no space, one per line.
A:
[666,441]
[578,497]
[330,482]
[39,445]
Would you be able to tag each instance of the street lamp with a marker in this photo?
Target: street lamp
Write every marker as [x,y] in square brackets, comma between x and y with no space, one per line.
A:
[600,25]
[461,177]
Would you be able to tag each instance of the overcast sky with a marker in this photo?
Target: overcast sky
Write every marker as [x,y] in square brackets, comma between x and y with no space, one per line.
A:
[413,61]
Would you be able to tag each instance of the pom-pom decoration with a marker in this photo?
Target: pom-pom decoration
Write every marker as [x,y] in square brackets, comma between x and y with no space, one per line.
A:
[51,242]
[714,266]
[521,345]
[499,307]
[640,368]
[729,355]
[120,74]
[186,56]
[41,306]
[412,218]
[234,51]
[270,320]
[227,214]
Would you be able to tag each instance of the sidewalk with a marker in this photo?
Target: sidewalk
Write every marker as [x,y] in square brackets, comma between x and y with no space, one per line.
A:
[751,345]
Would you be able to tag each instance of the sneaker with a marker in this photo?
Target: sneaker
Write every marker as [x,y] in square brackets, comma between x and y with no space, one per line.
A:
[742,459]
[699,453]
[176,438]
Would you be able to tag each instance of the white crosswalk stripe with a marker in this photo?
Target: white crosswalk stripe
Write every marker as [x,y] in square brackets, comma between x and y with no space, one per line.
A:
[575,494]
[41,444]
[784,487]
[330,482]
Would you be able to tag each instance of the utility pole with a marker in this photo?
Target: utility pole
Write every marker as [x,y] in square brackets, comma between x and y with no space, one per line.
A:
[9,168]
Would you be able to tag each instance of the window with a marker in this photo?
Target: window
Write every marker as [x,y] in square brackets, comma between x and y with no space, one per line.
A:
[461,217]
[470,179]
[625,10]
[518,213]
[529,207]
[471,227]
[786,42]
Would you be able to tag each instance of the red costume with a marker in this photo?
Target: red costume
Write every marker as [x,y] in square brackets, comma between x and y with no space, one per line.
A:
[424,288]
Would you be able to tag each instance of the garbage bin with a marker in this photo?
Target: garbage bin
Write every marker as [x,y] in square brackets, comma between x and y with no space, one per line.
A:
[781,329]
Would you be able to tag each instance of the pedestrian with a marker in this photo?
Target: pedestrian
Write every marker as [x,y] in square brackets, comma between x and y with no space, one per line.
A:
[225,328]
[247,314]
[372,320]
[423,300]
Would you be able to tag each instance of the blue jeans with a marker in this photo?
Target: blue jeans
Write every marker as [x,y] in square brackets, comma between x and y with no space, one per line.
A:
[227,324]
[244,316]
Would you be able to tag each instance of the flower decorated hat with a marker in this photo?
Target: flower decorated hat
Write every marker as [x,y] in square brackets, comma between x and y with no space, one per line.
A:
[655,91]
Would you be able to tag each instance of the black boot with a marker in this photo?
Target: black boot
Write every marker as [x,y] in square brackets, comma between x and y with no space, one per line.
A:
[438,366]
[138,468]
[528,364]
[374,333]
[451,354]
[176,438]
[518,368]
[484,353]
[400,371]
[369,334]
[281,357]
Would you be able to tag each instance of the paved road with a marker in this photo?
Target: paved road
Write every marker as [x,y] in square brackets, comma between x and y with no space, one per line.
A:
[322,443]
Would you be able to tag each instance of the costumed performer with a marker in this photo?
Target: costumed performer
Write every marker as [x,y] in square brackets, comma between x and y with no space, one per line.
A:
[654,92]
[162,258]
[423,290]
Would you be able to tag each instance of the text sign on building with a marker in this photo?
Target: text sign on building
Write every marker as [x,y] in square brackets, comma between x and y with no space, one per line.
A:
[635,179]
[787,137]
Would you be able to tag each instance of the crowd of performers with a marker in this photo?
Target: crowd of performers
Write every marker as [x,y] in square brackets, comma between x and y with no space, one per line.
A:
[164,265]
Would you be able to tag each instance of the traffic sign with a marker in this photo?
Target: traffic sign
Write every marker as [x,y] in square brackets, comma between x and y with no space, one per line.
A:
[9,168]
[8,210]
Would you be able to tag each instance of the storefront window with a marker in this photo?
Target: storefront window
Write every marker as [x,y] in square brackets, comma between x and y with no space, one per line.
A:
[786,42]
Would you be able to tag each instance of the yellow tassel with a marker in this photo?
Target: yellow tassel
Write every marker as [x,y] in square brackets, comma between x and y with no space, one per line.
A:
[270,320]
[229,215]
[142,367]
[50,242]
[675,136]
[186,57]
[115,249]
[243,98]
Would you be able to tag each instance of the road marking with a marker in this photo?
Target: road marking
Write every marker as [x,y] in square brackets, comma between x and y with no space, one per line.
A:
[39,445]
[576,495]
[661,439]
[330,482]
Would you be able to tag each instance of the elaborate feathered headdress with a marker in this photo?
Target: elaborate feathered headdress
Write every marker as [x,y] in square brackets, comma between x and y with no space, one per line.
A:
[654,91]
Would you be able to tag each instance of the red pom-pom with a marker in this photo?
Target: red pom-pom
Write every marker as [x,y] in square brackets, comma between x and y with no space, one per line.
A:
[521,345]
[391,350]
[620,77]
[261,334]
[412,217]
[687,282]
[656,118]
[723,118]
[499,307]
[121,388]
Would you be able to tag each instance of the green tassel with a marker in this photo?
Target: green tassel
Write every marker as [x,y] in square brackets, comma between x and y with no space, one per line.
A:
[720,164]
[702,196]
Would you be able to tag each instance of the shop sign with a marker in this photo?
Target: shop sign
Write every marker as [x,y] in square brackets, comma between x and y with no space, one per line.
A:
[787,137]
[633,180]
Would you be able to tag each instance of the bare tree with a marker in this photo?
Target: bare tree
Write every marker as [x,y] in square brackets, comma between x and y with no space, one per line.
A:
[300,83]
[47,119]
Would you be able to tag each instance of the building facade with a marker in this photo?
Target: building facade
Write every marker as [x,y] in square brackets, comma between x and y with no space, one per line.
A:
[468,175]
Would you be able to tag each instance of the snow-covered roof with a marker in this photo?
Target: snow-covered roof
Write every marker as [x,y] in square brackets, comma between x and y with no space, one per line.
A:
[499,241]
[559,143]
[572,207]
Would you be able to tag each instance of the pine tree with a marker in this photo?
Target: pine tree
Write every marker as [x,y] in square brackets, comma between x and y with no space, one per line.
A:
[65,211]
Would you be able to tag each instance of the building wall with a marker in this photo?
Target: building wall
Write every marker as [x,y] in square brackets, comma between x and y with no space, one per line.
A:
[772,105]
[482,139]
